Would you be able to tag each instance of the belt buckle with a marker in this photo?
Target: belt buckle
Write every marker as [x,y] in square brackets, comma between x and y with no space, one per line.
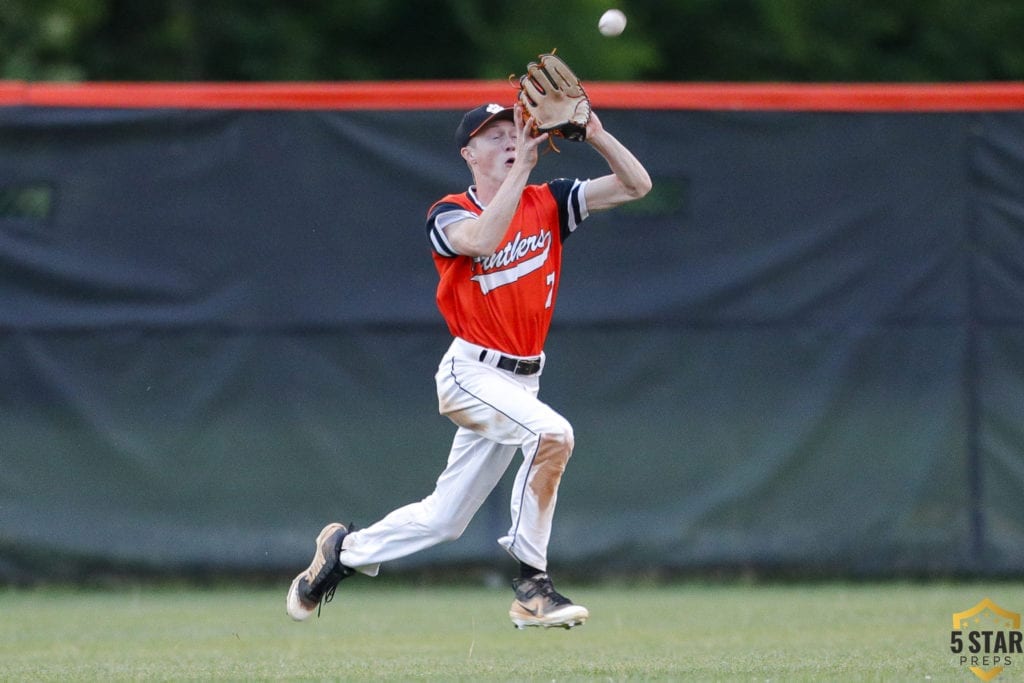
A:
[527,366]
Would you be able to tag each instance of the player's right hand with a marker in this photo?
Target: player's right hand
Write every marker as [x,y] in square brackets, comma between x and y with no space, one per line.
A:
[526,144]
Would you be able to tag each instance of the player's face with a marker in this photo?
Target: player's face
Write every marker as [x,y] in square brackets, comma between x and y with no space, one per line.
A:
[493,150]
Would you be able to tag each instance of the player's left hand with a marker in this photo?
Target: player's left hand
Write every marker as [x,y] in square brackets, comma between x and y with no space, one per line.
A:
[554,98]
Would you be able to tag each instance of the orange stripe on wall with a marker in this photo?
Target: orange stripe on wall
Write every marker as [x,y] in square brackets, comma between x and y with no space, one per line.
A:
[460,95]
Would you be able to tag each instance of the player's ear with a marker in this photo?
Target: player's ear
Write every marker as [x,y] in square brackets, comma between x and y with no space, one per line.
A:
[468,154]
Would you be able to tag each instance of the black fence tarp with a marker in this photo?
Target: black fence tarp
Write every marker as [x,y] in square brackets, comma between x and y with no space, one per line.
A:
[804,350]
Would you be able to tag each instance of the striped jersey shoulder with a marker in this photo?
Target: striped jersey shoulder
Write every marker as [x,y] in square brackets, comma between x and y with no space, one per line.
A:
[448,210]
[571,199]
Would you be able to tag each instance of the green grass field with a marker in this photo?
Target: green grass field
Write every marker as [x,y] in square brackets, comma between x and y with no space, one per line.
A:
[380,630]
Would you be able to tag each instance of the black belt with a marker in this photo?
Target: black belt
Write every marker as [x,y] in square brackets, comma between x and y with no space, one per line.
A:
[519,366]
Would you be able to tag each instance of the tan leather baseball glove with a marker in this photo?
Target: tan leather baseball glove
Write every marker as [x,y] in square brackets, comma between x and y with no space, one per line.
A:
[554,99]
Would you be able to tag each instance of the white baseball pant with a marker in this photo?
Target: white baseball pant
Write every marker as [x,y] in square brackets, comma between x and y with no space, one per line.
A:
[497,413]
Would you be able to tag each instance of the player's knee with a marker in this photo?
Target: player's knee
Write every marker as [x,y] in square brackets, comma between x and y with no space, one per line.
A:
[451,532]
[447,529]
[549,464]
[558,443]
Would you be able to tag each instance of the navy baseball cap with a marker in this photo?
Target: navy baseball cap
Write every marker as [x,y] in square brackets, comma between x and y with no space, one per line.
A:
[475,119]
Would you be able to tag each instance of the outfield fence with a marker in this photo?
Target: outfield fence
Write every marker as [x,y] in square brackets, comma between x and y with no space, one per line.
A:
[803,351]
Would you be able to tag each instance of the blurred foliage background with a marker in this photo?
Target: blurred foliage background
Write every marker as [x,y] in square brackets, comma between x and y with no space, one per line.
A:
[666,40]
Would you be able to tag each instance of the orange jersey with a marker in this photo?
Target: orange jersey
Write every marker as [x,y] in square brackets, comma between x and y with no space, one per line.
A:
[505,301]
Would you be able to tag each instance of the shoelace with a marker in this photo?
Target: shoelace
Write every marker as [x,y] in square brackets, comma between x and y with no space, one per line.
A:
[545,588]
[328,596]
[334,578]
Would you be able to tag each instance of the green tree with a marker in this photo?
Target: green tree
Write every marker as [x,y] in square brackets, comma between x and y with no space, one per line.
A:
[731,40]
[45,39]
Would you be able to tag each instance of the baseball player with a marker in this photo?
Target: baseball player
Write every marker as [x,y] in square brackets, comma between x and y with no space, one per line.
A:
[497,248]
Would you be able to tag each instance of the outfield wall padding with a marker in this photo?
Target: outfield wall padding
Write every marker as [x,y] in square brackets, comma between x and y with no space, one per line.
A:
[803,351]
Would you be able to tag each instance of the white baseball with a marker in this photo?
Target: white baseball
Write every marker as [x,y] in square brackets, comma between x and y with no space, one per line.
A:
[612,23]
